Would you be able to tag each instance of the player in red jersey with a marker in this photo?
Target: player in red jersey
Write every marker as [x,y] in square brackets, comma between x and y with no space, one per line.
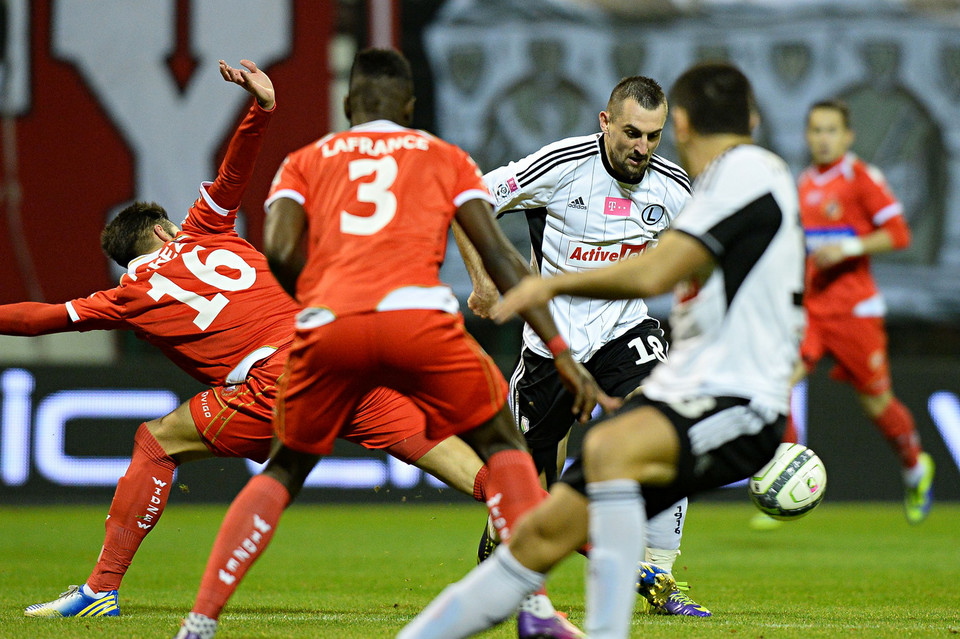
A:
[198,293]
[375,204]
[849,213]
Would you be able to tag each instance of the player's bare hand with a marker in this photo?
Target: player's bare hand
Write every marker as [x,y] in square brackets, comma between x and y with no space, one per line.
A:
[254,80]
[482,302]
[531,291]
[828,255]
[580,383]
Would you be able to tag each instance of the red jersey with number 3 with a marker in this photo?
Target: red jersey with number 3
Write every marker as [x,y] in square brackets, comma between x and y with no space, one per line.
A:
[847,199]
[379,200]
[207,299]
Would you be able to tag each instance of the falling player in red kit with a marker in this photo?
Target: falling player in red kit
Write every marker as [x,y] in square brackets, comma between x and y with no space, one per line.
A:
[374,205]
[198,293]
[849,213]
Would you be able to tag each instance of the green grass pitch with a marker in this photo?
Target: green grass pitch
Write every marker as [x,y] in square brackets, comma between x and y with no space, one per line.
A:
[344,572]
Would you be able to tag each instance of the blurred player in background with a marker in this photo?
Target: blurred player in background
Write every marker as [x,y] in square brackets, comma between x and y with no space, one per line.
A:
[591,201]
[849,214]
[373,206]
[199,294]
[712,413]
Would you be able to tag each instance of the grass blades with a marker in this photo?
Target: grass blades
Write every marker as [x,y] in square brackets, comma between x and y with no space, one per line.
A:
[345,572]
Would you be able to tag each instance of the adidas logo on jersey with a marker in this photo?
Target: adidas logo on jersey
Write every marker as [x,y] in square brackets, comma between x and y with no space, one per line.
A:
[577,204]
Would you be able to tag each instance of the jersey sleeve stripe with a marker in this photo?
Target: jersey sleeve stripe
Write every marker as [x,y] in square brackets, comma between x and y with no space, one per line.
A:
[683,183]
[572,158]
[669,169]
[219,210]
[552,157]
[886,213]
[287,193]
[473,194]
[72,312]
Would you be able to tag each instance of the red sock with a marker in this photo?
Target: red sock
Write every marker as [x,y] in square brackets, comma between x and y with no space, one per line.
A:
[790,432]
[244,534]
[513,488]
[138,502]
[480,484]
[896,424]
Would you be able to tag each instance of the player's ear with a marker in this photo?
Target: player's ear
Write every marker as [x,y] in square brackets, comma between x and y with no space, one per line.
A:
[161,233]
[604,121]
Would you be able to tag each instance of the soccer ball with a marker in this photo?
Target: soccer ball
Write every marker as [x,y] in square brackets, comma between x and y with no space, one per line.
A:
[791,485]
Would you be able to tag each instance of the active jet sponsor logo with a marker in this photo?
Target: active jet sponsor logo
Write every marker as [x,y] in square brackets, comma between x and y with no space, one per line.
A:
[588,255]
[616,206]
[577,204]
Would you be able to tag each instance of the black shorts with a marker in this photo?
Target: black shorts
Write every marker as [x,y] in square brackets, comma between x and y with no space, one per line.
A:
[731,440]
[542,406]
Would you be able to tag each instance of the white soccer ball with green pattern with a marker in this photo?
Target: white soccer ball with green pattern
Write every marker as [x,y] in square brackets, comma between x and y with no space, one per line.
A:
[791,485]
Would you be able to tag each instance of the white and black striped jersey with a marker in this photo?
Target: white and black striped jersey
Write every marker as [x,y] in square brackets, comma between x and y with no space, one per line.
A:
[581,217]
[737,333]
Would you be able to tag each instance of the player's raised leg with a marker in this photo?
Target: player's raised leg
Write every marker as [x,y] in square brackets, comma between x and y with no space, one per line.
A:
[138,502]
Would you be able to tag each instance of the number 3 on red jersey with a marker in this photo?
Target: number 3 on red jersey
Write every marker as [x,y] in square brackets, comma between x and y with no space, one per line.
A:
[207,308]
[377,192]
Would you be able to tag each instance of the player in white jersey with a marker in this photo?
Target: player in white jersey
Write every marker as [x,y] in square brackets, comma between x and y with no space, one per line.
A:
[713,413]
[591,201]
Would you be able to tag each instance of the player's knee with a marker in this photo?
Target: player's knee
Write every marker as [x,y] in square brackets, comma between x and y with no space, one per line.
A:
[165,432]
[603,457]
[539,544]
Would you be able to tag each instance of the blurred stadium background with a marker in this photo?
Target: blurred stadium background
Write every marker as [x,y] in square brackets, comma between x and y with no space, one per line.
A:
[105,102]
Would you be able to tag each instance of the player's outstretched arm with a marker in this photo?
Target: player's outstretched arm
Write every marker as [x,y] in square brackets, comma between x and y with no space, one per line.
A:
[29,319]
[506,268]
[236,170]
[253,79]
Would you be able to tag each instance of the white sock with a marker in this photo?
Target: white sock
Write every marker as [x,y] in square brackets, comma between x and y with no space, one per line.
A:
[88,591]
[664,532]
[617,521]
[913,475]
[539,606]
[489,593]
[662,557]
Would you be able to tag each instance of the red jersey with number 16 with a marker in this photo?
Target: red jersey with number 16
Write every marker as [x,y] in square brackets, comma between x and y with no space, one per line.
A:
[207,299]
[379,200]
[847,199]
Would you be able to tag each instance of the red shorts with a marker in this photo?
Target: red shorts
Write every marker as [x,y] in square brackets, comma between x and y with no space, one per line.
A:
[426,355]
[235,421]
[859,346]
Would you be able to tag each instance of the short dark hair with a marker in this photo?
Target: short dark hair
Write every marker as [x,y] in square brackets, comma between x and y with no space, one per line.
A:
[834,104]
[646,91]
[717,98]
[128,235]
[380,81]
